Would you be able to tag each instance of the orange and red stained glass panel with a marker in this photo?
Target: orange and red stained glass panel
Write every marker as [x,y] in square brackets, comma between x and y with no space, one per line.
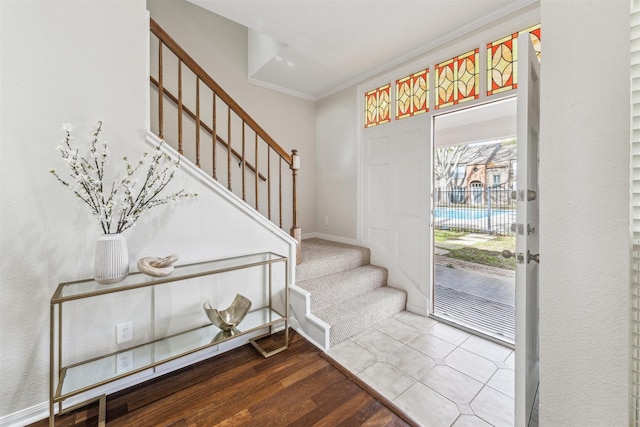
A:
[501,64]
[412,94]
[458,79]
[536,38]
[377,106]
[502,58]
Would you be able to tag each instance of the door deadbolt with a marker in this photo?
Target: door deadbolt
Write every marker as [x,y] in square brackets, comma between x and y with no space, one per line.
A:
[520,257]
[531,195]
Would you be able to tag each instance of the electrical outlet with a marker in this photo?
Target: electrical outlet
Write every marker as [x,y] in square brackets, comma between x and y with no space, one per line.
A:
[124,361]
[124,332]
[326,221]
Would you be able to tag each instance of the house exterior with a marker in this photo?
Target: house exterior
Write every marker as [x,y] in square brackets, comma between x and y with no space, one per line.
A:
[481,167]
[487,165]
[63,62]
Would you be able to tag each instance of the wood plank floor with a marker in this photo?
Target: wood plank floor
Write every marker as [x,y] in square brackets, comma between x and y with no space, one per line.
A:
[240,388]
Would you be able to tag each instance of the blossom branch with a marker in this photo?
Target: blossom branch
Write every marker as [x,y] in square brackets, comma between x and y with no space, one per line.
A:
[89,176]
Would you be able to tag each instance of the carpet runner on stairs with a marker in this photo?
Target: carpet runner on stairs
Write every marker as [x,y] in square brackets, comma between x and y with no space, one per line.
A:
[346,291]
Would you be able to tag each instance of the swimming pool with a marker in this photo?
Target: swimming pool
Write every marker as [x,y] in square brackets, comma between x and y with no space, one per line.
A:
[469,213]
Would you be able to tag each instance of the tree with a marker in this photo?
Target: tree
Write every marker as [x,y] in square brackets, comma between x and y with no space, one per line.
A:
[445,163]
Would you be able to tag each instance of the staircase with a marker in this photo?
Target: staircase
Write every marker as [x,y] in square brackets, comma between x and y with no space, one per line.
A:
[338,292]
[346,291]
[202,122]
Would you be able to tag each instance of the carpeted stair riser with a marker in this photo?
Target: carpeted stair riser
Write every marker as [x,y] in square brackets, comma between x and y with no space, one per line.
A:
[347,292]
[356,314]
[323,258]
[338,287]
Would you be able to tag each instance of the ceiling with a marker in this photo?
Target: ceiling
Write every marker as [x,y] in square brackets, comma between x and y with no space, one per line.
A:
[313,48]
[485,123]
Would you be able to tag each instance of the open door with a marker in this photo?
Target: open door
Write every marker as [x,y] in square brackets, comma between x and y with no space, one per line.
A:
[394,206]
[527,236]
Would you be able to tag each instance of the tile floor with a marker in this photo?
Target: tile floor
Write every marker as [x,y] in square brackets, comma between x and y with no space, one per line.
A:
[439,375]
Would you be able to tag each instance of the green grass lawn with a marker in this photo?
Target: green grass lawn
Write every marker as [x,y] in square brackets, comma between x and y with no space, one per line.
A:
[484,253]
[444,235]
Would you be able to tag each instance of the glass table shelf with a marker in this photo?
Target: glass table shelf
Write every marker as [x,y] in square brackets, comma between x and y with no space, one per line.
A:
[75,379]
[89,288]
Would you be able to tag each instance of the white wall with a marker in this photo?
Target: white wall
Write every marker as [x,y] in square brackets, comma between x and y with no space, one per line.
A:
[336,163]
[584,175]
[79,61]
[584,205]
[224,55]
[61,62]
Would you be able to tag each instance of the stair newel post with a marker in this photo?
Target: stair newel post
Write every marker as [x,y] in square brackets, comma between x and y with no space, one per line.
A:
[296,232]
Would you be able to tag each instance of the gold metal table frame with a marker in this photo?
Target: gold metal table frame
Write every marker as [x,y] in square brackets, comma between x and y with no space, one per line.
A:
[199,338]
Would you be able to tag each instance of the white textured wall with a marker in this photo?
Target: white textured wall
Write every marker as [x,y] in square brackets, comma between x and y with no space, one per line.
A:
[79,61]
[220,46]
[337,164]
[61,62]
[584,205]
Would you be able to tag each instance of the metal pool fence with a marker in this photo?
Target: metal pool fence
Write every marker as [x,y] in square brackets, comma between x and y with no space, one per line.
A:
[489,210]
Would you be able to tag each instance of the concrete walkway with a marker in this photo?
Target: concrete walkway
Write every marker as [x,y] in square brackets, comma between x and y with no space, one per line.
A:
[495,284]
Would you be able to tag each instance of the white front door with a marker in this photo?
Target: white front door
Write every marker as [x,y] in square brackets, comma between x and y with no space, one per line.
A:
[527,236]
[394,201]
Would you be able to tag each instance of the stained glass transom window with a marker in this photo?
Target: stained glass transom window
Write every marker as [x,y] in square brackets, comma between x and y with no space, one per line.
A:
[535,34]
[501,63]
[377,106]
[502,58]
[457,80]
[412,94]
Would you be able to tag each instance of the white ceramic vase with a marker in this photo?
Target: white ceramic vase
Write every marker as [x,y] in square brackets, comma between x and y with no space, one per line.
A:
[111,264]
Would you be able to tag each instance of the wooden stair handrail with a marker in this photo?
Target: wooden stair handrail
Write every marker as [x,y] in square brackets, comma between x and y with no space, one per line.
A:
[291,160]
[168,41]
[207,129]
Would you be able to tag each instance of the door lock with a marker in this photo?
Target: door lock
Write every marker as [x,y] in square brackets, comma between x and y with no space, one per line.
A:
[519,228]
[531,195]
[519,256]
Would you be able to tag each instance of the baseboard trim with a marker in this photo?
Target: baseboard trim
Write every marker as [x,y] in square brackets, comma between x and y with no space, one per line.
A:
[419,309]
[329,237]
[41,411]
[26,416]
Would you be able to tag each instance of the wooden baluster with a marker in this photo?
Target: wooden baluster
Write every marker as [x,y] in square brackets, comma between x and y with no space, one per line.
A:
[160,92]
[214,135]
[280,189]
[255,175]
[269,182]
[243,163]
[296,232]
[164,40]
[180,110]
[229,147]
[198,122]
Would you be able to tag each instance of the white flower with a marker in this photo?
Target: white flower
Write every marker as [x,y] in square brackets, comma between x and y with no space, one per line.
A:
[102,198]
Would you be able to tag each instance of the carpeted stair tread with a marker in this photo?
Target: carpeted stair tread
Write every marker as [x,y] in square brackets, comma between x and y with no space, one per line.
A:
[322,258]
[337,287]
[356,314]
[346,291]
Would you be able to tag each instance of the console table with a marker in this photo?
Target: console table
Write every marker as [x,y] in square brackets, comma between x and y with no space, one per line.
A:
[66,381]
